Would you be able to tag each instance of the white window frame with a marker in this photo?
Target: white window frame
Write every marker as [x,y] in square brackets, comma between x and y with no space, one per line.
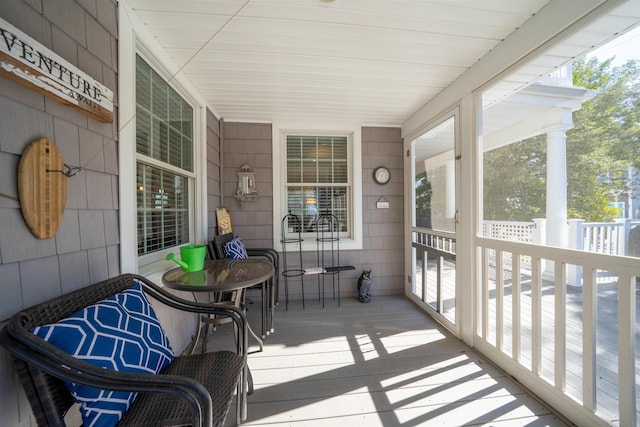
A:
[135,40]
[279,141]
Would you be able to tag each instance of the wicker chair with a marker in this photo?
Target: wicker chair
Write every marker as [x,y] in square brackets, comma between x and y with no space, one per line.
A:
[193,390]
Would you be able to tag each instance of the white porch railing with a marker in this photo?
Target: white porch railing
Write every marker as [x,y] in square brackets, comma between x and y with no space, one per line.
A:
[611,238]
[599,237]
[574,346]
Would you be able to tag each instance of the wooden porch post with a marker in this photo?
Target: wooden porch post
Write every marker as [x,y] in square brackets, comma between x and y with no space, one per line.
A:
[557,227]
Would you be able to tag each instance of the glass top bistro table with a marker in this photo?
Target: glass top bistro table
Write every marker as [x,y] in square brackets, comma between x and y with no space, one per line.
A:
[225,275]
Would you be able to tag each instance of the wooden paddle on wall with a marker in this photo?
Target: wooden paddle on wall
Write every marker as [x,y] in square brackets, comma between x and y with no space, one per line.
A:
[42,188]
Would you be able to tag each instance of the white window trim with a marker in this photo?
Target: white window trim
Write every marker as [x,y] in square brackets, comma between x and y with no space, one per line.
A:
[279,179]
[134,39]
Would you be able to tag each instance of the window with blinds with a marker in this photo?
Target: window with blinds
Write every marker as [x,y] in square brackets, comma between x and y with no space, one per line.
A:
[318,179]
[164,147]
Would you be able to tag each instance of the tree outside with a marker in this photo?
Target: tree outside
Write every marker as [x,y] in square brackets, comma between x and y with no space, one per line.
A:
[603,152]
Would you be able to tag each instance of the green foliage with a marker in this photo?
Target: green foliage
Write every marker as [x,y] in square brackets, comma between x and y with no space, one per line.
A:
[423,200]
[604,143]
[601,148]
[514,181]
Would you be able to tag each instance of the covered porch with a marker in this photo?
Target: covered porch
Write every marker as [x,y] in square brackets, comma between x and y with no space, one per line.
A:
[378,73]
[385,363]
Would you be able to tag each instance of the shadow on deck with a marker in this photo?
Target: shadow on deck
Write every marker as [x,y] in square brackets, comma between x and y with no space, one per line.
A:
[386,363]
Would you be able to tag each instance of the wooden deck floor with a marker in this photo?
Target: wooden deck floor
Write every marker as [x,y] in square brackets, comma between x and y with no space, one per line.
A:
[380,364]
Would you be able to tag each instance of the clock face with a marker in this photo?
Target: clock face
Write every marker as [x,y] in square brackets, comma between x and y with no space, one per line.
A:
[381,175]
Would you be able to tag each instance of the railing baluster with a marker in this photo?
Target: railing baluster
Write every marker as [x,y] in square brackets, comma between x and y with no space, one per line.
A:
[588,240]
[627,350]
[589,308]
[560,327]
[499,300]
[575,313]
[425,261]
[601,241]
[515,317]
[485,294]
[536,316]
[439,278]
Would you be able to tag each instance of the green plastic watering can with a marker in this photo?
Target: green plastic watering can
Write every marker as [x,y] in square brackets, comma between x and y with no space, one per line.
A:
[192,257]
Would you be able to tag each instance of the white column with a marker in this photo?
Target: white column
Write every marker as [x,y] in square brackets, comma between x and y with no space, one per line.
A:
[540,231]
[557,227]
[576,241]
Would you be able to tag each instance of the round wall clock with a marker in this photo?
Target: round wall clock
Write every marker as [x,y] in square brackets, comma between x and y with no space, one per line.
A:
[381,175]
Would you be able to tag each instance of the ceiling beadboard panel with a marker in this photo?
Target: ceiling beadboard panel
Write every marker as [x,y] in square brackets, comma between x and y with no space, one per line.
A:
[373,62]
[592,36]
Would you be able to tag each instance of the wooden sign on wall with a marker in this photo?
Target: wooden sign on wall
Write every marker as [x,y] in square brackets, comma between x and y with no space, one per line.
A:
[29,63]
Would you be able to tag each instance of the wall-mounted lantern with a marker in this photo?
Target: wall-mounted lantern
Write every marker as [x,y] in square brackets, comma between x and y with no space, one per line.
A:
[247,191]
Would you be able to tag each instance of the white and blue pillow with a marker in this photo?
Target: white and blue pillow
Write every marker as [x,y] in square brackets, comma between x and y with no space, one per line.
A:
[235,249]
[122,333]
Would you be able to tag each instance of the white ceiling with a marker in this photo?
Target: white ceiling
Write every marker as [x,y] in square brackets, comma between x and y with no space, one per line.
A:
[528,94]
[373,62]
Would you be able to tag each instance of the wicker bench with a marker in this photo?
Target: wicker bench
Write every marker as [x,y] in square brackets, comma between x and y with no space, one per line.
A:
[193,390]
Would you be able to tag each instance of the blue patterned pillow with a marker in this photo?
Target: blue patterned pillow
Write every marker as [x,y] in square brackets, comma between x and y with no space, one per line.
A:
[121,333]
[235,249]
